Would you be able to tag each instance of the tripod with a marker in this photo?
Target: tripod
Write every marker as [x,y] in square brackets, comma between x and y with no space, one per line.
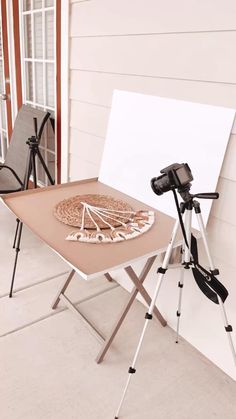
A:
[211,287]
[33,143]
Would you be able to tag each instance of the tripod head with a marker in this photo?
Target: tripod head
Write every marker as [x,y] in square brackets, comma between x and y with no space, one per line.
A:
[207,195]
[188,197]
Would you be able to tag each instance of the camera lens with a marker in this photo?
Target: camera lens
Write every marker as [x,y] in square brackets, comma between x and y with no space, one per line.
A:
[160,184]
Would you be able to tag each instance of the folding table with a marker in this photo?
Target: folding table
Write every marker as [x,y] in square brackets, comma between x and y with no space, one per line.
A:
[35,209]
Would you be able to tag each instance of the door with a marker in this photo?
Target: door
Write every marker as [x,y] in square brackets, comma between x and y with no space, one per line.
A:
[5,100]
[39,64]
[33,42]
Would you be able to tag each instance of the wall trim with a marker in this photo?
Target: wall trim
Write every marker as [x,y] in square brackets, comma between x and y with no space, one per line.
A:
[64,91]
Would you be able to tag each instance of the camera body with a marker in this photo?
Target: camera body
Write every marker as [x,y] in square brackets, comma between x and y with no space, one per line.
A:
[175,176]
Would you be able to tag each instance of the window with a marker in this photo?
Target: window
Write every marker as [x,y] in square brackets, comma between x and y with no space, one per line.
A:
[38,56]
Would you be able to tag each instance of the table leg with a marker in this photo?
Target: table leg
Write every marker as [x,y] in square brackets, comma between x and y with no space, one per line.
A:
[136,281]
[63,289]
[108,277]
[137,288]
[61,296]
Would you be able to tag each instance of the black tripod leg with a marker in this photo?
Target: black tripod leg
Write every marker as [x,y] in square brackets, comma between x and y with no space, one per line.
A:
[45,167]
[16,233]
[16,257]
[28,170]
[17,239]
[34,168]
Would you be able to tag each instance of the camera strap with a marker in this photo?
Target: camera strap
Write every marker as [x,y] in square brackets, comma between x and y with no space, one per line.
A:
[207,282]
[211,287]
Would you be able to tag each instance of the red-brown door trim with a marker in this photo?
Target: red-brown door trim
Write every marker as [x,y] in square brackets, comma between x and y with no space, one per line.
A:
[6,66]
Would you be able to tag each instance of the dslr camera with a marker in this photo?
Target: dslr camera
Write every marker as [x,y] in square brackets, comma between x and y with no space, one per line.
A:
[176,176]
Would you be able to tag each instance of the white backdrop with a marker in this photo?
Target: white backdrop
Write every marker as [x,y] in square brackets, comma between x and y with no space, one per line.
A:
[147,133]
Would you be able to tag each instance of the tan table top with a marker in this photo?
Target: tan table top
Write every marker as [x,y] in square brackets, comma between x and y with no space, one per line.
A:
[35,208]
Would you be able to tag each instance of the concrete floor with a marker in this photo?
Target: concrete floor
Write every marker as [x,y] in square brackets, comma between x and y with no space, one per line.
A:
[47,357]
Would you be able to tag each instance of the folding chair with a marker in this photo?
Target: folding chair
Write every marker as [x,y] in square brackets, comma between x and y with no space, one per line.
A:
[15,171]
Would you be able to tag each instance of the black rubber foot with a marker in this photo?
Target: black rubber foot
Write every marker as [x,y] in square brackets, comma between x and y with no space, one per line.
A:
[215,271]
[229,328]
[176,341]
[10,295]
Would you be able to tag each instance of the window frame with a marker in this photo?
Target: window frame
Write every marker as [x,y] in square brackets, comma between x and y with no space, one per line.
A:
[32,12]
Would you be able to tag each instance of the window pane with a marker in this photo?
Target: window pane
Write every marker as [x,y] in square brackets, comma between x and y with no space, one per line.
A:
[49,26]
[51,165]
[37,4]
[43,140]
[28,36]
[40,170]
[29,82]
[49,159]
[38,35]
[49,3]
[50,137]
[27,5]
[39,83]
[50,85]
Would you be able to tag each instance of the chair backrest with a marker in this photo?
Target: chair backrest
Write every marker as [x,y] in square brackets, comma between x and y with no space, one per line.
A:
[17,152]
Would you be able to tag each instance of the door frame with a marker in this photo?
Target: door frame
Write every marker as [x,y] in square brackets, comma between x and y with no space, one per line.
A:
[58,88]
[13,14]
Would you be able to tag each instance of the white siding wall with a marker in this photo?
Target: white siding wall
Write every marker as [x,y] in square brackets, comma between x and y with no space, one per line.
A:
[184,50]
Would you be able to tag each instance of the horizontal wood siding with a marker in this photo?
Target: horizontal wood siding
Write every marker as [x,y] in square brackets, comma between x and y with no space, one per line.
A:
[183,50]
[97,88]
[192,56]
[121,17]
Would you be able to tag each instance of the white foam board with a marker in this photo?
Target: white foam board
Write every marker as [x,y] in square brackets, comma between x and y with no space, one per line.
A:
[147,133]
